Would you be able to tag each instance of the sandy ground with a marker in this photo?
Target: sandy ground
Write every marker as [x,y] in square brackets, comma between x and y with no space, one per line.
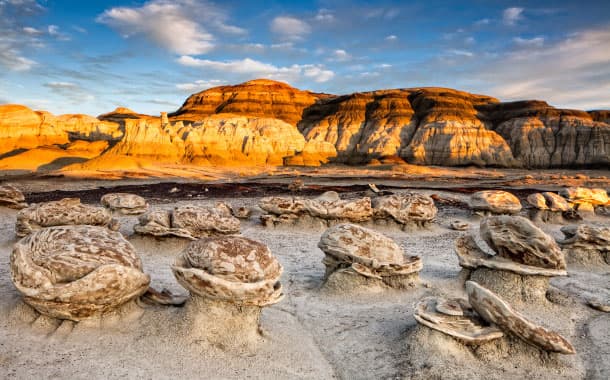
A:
[311,334]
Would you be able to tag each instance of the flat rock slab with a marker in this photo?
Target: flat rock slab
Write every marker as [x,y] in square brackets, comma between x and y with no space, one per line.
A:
[495,310]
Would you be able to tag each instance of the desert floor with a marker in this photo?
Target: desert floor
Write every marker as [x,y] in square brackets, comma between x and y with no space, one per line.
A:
[311,333]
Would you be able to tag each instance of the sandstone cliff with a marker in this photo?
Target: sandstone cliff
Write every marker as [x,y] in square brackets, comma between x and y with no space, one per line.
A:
[260,97]
[263,122]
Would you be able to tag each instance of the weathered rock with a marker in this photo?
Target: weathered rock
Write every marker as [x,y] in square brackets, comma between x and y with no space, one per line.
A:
[519,240]
[578,195]
[12,197]
[230,279]
[586,244]
[67,211]
[537,200]
[555,202]
[458,225]
[495,310]
[456,318]
[124,203]
[405,208]
[350,247]
[232,269]
[327,206]
[191,222]
[76,272]
[471,256]
[495,202]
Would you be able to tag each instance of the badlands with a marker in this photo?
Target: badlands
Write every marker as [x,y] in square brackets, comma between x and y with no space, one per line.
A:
[262,231]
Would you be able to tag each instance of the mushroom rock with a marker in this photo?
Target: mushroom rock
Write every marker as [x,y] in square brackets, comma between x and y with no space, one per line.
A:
[405,208]
[67,211]
[556,202]
[230,279]
[494,202]
[525,258]
[537,201]
[585,200]
[519,240]
[586,244]
[495,310]
[12,197]
[77,272]
[124,203]
[357,255]
[191,222]
[456,318]
[549,207]
[326,209]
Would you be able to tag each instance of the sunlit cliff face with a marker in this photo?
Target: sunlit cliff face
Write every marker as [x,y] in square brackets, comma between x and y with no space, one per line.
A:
[264,123]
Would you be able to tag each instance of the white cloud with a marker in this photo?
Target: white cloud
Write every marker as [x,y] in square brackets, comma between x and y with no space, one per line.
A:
[324,15]
[463,53]
[290,28]
[483,21]
[510,16]
[199,85]
[573,72]
[529,42]
[71,91]
[177,26]
[340,55]
[13,60]
[32,31]
[391,37]
[252,68]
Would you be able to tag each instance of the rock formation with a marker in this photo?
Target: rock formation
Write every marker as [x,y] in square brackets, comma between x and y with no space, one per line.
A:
[12,197]
[405,208]
[230,279]
[586,244]
[124,203]
[327,208]
[584,199]
[191,222]
[76,272]
[267,122]
[524,260]
[360,257]
[260,98]
[495,310]
[67,211]
[455,317]
[494,202]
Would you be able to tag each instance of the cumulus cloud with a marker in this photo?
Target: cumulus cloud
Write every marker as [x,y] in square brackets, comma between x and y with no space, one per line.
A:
[324,15]
[290,28]
[177,26]
[199,85]
[15,34]
[510,16]
[253,68]
[340,55]
[574,71]
[391,37]
[529,42]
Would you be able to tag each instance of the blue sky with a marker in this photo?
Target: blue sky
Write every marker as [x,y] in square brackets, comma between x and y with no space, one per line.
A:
[92,56]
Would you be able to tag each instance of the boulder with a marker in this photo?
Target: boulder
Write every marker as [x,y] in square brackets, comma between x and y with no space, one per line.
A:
[495,202]
[230,279]
[495,310]
[191,222]
[349,247]
[517,239]
[67,211]
[405,208]
[76,272]
[578,195]
[586,244]
[455,317]
[12,197]
[124,203]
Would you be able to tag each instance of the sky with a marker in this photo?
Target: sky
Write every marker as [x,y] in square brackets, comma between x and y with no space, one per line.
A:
[93,56]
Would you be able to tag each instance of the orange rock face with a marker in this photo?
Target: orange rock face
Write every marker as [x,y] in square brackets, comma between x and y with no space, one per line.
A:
[264,122]
[260,97]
